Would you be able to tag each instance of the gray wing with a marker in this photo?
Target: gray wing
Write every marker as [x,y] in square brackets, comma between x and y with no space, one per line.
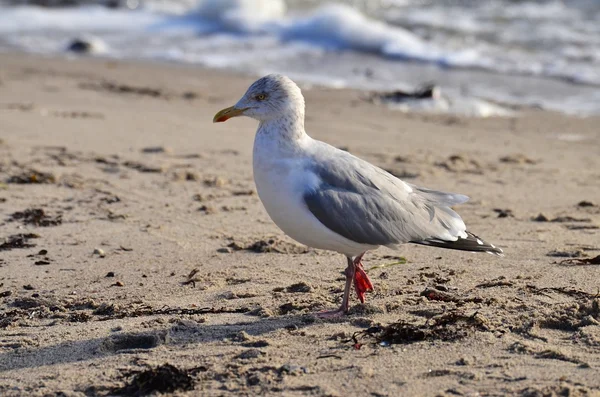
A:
[368,205]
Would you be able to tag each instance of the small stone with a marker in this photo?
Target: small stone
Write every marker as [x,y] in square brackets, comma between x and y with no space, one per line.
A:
[118,284]
[224,250]
[100,252]
[110,274]
[540,218]
[87,45]
[28,287]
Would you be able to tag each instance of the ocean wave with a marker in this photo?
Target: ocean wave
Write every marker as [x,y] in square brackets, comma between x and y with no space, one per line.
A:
[256,33]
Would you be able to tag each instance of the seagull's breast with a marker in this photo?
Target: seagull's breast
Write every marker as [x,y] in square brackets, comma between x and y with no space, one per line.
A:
[281,180]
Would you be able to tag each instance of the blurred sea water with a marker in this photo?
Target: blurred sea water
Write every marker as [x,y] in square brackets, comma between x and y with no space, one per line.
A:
[543,53]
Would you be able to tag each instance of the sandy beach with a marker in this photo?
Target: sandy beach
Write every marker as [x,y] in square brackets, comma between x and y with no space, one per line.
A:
[136,257]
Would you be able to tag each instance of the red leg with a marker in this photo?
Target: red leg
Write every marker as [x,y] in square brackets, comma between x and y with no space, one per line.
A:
[354,273]
[362,283]
[349,272]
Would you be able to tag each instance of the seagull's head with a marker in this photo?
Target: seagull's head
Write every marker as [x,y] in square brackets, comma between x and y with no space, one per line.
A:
[271,97]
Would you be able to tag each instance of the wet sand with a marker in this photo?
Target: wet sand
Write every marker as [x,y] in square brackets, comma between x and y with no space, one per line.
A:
[136,256]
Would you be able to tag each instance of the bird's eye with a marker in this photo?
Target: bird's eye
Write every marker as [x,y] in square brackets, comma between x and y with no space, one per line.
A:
[261,97]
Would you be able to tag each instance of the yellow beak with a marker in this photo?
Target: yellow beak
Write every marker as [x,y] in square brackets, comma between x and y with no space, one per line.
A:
[228,113]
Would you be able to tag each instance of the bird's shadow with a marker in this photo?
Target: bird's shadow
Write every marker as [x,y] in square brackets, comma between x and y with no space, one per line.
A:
[123,342]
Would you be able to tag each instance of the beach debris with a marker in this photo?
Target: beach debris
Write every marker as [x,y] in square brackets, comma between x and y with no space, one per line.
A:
[128,89]
[191,278]
[426,91]
[18,241]
[449,326]
[586,203]
[110,274]
[397,260]
[518,158]
[31,175]
[142,167]
[565,254]
[118,88]
[190,95]
[461,163]
[100,252]
[86,45]
[162,379]
[504,213]
[243,192]
[581,261]
[36,217]
[559,219]
[272,245]
[156,150]
[429,98]
[582,227]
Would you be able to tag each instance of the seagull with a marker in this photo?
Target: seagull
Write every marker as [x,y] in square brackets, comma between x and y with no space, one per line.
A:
[326,198]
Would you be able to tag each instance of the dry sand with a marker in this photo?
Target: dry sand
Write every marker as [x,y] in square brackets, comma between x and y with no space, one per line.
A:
[137,189]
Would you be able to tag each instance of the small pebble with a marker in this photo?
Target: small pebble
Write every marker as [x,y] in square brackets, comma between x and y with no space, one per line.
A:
[100,252]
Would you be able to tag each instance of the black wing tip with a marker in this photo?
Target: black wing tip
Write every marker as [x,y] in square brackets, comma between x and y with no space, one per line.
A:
[472,244]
